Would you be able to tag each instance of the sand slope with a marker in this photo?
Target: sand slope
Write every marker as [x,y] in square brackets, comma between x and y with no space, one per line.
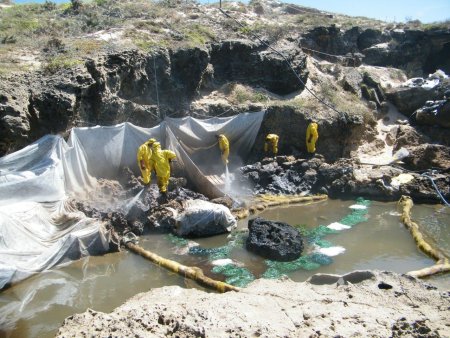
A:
[359,304]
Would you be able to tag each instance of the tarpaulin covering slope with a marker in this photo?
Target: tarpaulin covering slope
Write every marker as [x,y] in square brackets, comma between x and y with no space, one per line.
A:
[108,149]
[194,141]
[39,228]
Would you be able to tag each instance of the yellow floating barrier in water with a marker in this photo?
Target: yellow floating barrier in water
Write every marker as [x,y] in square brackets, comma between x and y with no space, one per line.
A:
[262,202]
[193,273]
[442,263]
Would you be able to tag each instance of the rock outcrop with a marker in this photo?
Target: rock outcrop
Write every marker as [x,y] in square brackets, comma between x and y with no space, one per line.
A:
[416,93]
[426,102]
[136,87]
[274,240]
[434,113]
[345,177]
[419,51]
[337,132]
[428,156]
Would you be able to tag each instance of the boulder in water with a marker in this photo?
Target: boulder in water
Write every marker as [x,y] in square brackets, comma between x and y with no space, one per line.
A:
[274,240]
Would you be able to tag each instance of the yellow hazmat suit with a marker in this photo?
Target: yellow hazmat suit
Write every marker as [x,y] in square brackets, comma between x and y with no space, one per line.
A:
[160,161]
[224,146]
[311,137]
[272,141]
[144,154]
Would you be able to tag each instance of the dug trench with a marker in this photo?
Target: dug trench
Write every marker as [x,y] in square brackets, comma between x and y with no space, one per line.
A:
[351,304]
[129,208]
[373,112]
[147,212]
[353,158]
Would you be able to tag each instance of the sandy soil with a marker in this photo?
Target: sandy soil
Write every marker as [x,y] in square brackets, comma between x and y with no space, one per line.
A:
[359,304]
[380,151]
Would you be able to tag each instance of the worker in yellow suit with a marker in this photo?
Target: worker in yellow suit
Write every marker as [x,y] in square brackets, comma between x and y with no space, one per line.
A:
[224,147]
[144,154]
[160,161]
[272,142]
[312,135]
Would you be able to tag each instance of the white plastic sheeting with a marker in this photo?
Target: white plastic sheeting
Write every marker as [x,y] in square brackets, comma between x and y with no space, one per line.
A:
[195,144]
[39,228]
[109,149]
[197,137]
[43,172]
[38,236]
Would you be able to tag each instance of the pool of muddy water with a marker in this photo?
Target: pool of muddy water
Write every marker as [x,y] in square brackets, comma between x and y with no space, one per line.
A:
[38,306]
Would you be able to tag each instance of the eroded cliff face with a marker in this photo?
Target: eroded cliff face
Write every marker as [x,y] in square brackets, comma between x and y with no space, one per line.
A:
[417,51]
[338,132]
[135,87]
[144,88]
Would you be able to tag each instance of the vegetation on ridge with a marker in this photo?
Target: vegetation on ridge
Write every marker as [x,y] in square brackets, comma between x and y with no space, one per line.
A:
[62,35]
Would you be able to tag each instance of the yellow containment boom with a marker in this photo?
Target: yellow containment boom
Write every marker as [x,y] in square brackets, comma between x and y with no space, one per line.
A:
[193,273]
[442,263]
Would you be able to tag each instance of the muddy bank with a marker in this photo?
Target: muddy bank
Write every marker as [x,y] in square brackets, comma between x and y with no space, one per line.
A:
[345,178]
[365,303]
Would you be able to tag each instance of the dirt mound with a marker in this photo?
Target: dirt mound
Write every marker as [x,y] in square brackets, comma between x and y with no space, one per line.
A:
[376,304]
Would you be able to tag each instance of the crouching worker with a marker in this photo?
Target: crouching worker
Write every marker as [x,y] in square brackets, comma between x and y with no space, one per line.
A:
[224,147]
[271,143]
[160,161]
[144,155]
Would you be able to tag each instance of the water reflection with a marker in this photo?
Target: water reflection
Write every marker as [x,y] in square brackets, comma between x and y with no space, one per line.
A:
[38,306]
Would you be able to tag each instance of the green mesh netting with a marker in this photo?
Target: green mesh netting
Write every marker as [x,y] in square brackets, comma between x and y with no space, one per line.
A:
[241,277]
[314,237]
[213,253]
[319,258]
[236,239]
[235,275]
[308,262]
[272,273]
[323,243]
[178,241]
[357,215]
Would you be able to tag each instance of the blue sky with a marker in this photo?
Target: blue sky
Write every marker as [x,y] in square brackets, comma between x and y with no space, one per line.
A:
[388,10]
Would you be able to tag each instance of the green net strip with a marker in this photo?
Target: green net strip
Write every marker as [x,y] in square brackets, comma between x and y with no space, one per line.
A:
[235,275]
[241,277]
[357,215]
[178,241]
